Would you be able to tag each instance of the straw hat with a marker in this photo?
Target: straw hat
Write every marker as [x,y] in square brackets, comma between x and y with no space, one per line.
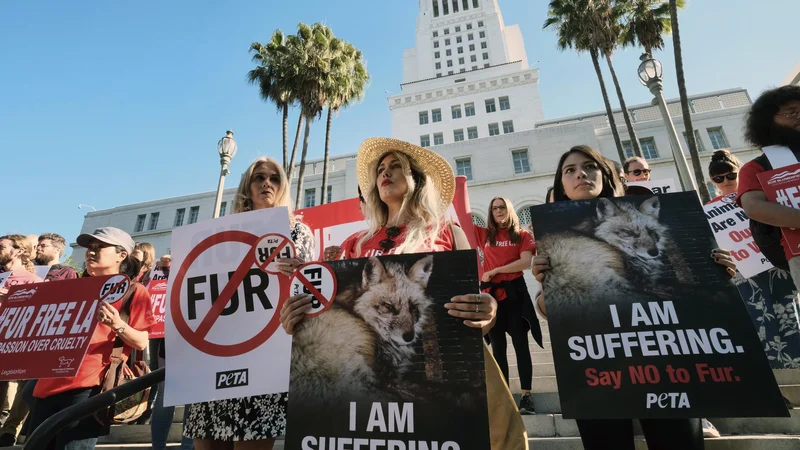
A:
[436,167]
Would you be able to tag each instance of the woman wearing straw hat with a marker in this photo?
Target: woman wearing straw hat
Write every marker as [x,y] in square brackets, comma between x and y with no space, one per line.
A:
[407,190]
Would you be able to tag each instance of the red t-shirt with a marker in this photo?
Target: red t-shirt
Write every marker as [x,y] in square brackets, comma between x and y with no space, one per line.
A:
[443,243]
[18,277]
[502,253]
[98,356]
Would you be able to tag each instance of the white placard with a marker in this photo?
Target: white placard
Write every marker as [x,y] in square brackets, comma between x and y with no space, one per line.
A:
[3,277]
[231,349]
[41,271]
[665,186]
[731,228]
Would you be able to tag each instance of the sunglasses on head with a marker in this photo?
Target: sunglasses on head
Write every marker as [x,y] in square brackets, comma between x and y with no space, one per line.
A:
[389,243]
[720,178]
[638,172]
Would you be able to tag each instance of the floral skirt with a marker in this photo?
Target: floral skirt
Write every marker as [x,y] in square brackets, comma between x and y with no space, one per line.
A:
[238,419]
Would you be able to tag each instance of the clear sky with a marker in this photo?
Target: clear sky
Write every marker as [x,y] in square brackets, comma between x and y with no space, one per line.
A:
[112,103]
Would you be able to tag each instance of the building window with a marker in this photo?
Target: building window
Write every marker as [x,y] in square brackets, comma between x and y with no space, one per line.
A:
[717,137]
[222,208]
[649,150]
[462,70]
[474,67]
[521,164]
[435,34]
[465,5]
[480,22]
[445,9]
[447,41]
[469,26]
[460,50]
[449,63]
[458,39]
[179,213]
[139,223]
[458,135]
[508,126]
[494,129]
[470,37]
[438,75]
[330,194]
[194,214]
[449,72]
[455,7]
[483,45]
[425,140]
[435,44]
[461,60]
[458,29]
[456,111]
[490,107]
[628,148]
[153,221]
[436,115]
[464,168]
[311,199]
[472,47]
[700,147]
[486,66]
[504,103]
[423,117]
[438,139]
[438,66]
[436,55]
[435,8]
[472,133]
[469,109]
[485,56]
[447,31]
[482,34]
[473,58]
[448,52]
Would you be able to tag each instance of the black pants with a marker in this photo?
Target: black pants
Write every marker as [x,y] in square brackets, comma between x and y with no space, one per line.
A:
[44,408]
[509,320]
[661,434]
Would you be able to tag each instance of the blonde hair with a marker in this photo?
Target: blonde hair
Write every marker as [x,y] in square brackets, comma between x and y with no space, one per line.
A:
[512,222]
[243,202]
[148,254]
[421,205]
[21,242]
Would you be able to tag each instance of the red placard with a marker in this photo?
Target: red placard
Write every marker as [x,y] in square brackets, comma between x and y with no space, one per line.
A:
[783,186]
[46,328]
[158,298]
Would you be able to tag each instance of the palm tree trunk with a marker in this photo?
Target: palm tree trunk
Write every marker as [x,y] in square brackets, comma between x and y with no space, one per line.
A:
[610,113]
[324,195]
[625,113]
[687,115]
[302,171]
[290,168]
[285,137]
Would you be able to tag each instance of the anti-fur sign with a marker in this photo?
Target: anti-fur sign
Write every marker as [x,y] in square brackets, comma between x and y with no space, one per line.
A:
[46,328]
[384,366]
[223,332]
[783,186]
[644,323]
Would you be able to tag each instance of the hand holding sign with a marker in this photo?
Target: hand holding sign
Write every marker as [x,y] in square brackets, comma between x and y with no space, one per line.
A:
[318,281]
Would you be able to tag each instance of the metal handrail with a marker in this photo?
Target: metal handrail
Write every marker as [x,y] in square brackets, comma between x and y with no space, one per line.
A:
[45,432]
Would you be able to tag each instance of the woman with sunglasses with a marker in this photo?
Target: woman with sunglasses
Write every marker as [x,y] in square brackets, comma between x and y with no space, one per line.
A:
[407,191]
[636,169]
[724,172]
[583,173]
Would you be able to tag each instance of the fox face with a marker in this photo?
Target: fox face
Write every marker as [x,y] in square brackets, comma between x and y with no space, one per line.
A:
[394,302]
[637,232]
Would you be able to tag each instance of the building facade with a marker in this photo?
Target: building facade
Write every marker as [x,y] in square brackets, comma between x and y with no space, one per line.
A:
[469,94]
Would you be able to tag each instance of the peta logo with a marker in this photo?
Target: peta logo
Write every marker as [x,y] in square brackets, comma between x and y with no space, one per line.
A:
[232,378]
[669,400]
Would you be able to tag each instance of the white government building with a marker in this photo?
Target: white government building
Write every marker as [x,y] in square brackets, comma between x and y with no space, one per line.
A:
[469,94]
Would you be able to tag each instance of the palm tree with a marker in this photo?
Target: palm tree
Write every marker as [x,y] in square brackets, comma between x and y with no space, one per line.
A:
[687,115]
[573,24]
[646,23]
[347,85]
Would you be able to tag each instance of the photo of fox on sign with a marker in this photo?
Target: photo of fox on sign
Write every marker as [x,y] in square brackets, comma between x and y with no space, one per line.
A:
[223,300]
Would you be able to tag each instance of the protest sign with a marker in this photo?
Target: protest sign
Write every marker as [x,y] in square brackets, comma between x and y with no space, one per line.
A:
[385,365]
[158,297]
[781,186]
[3,277]
[222,325]
[665,186]
[644,324]
[46,328]
[731,228]
[41,271]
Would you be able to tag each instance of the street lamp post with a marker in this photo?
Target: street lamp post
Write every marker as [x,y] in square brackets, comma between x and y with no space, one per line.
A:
[650,73]
[226,147]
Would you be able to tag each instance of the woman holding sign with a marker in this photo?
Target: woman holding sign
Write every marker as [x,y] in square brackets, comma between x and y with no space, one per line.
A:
[252,422]
[407,190]
[584,174]
[108,252]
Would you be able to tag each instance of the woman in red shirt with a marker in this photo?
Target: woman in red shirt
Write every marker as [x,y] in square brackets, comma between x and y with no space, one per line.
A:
[108,252]
[507,251]
[408,189]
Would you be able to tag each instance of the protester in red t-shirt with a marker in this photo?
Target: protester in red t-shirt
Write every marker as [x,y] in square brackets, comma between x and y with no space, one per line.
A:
[108,252]
[507,251]
[16,256]
[408,189]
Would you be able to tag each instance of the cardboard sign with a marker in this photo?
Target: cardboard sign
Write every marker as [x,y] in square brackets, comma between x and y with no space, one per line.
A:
[223,331]
[46,328]
[644,324]
[158,298]
[665,186]
[781,186]
[731,228]
[385,366]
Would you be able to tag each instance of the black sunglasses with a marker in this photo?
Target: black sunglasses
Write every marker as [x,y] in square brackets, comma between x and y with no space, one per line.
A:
[638,172]
[389,243]
[720,178]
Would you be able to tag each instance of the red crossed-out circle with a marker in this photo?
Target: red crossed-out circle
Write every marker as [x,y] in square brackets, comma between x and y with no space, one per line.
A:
[283,243]
[197,338]
[326,302]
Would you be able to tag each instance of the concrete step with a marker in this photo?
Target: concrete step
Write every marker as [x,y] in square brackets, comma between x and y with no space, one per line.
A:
[786,377]
[540,384]
[132,434]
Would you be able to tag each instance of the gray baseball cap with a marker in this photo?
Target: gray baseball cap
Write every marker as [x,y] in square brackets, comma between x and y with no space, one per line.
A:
[109,235]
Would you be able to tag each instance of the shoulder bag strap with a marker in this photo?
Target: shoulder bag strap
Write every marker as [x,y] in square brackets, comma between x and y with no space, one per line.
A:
[779,156]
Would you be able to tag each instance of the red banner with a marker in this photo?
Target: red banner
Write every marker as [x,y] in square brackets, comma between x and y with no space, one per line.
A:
[158,297]
[334,222]
[783,186]
[46,328]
